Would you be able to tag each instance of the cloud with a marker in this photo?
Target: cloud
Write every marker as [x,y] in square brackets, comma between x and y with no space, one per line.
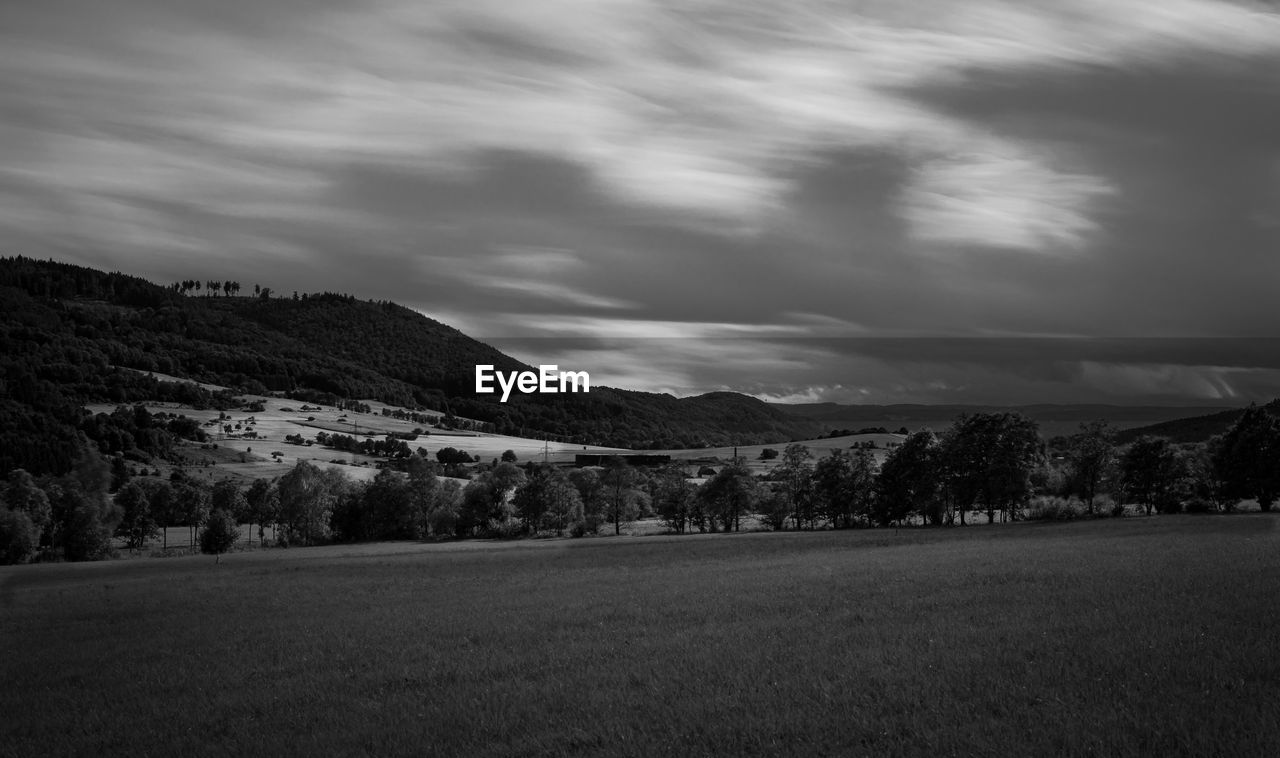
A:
[1002,202]
[738,174]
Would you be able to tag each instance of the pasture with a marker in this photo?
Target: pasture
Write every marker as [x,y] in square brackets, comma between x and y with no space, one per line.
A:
[255,445]
[1141,636]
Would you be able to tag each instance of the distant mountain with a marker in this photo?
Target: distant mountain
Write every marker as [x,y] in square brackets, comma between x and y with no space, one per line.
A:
[1193,428]
[1054,420]
[63,329]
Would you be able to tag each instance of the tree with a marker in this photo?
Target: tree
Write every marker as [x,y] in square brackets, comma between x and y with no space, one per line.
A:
[191,505]
[728,495]
[262,506]
[119,473]
[220,532]
[1151,472]
[843,485]
[442,512]
[485,503]
[308,495]
[794,474]
[1246,460]
[474,507]
[423,487]
[226,495]
[673,497]
[1091,452]
[547,500]
[21,493]
[163,505]
[452,456]
[388,507]
[19,536]
[508,456]
[84,536]
[138,522]
[910,479]
[84,518]
[773,508]
[989,459]
[617,480]
[591,491]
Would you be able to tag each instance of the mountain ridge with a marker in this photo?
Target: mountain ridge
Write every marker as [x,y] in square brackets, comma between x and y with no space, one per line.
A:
[63,326]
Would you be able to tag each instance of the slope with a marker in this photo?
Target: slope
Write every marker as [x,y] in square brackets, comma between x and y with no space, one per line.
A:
[63,328]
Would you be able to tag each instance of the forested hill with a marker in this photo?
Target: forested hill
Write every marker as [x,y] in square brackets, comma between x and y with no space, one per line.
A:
[63,328]
[1194,428]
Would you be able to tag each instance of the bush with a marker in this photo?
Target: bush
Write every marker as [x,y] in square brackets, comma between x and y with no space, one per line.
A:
[1104,506]
[1052,508]
[507,528]
[589,524]
[220,532]
[86,538]
[1199,505]
[19,537]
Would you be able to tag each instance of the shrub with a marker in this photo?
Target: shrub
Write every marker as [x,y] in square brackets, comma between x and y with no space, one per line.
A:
[1053,508]
[1199,505]
[589,524]
[506,529]
[220,532]
[1104,506]
[19,537]
[86,538]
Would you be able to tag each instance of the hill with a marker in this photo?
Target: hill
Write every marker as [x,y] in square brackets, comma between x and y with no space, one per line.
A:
[1193,428]
[1053,419]
[68,332]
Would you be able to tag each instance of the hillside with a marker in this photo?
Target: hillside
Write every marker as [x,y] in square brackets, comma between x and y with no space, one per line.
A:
[1193,428]
[1053,419]
[64,329]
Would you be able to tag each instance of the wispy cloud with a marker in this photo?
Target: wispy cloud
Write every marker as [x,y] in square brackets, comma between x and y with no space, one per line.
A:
[712,168]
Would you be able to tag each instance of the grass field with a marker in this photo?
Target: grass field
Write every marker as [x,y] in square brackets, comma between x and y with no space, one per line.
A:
[1142,636]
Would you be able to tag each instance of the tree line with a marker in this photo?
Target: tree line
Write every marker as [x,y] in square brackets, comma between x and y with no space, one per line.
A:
[987,464]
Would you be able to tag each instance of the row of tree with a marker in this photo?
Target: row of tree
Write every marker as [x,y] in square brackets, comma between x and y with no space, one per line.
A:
[211,287]
[993,463]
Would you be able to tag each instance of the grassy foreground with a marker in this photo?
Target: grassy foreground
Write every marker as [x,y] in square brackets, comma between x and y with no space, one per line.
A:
[1141,636]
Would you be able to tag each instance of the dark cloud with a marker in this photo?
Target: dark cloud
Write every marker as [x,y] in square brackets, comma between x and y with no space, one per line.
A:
[1193,147]
[900,204]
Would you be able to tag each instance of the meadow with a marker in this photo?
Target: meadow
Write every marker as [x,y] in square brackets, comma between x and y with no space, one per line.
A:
[1137,636]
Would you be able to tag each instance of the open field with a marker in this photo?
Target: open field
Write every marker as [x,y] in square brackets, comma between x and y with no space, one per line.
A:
[819,448]
[1143,636]
[265,453]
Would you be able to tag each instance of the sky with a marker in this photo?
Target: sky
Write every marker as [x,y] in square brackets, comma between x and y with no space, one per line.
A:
[819,200]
